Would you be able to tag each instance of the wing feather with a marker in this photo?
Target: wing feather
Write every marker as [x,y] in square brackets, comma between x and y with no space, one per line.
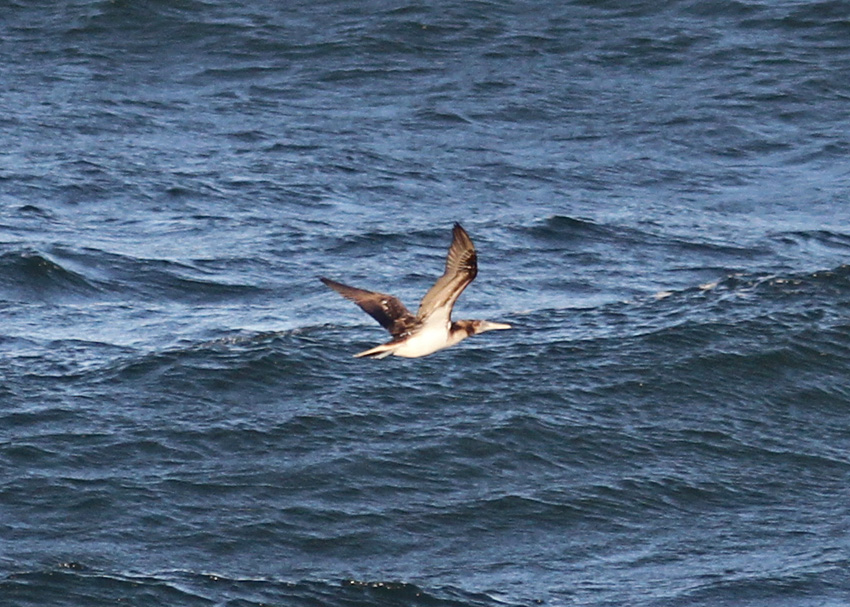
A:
[461,269]
[386,309]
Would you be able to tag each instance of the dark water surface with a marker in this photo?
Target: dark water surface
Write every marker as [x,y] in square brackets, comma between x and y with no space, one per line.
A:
[659,195]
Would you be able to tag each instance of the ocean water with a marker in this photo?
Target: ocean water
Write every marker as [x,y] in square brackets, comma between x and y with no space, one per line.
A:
[658,192]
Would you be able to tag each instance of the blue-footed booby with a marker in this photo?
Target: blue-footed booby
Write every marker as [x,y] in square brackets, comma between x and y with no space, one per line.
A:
[432,328]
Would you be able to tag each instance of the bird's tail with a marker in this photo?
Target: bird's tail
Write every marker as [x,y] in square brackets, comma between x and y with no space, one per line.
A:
[381,351]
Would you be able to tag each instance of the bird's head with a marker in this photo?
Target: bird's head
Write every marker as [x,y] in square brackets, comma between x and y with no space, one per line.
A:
[482,326]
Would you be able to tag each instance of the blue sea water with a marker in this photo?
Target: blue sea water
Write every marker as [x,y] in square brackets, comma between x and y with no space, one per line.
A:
[658,192]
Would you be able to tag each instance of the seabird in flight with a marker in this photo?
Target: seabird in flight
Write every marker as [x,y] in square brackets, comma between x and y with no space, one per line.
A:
[432,328]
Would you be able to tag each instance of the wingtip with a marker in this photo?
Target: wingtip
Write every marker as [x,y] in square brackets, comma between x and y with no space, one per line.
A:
[459,235]
[459,232]
[331,284]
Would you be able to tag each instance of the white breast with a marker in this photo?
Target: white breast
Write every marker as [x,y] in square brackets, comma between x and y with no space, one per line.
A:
[427,340]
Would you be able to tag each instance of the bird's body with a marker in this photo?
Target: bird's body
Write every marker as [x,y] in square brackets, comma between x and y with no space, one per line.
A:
[431,329]
[426,340]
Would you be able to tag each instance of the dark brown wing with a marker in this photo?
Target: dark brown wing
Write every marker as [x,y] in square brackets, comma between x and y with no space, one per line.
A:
[461,269]
[386,309]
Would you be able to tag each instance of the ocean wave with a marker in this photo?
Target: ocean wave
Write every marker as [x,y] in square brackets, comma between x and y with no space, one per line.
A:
[798,578]
[127,276]
[228,364]
[28,274]
[570,229]
[826,238]
[183,422]
[73,583]
[825,287]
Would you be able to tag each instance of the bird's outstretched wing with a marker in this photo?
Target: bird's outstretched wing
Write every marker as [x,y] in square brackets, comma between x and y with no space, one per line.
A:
[461,269]
[386,309]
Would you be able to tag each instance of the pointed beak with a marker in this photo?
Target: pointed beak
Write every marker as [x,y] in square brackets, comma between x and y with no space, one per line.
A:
[486,325]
